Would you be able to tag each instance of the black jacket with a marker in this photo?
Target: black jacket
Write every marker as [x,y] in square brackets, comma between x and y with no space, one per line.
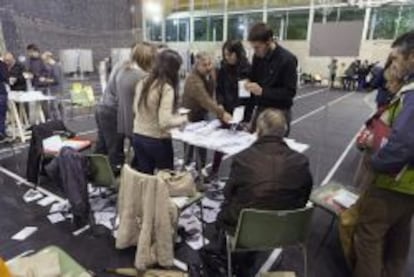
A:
[268,176]
[227,90]
[39,133]
[4,78]
[70,170]
[38,69]
[277,74]
[16,71]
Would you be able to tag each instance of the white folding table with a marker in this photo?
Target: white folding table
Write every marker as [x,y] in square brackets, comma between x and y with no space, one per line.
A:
[18,116]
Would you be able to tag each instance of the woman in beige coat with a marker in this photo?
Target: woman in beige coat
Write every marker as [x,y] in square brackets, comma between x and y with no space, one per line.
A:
[155,106]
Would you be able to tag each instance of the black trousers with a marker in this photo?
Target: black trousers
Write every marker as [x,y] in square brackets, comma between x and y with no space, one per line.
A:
[109,142]
[152,153]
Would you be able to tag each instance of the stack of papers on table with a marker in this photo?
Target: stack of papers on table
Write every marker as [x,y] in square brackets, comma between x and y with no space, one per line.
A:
[55,143]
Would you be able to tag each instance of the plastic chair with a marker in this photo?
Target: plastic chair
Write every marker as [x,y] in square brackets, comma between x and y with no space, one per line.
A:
[259,230]
[102,174]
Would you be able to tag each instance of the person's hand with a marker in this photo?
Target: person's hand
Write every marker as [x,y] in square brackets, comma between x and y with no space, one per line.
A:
[254,88]
[226,118]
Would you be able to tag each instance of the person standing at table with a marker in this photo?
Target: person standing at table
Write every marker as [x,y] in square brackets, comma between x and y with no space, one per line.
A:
[131,72]
[36,68]
[55,78]
[4,80]
[16,79]
[273,78]
[198,97]
[233,68]
[155,106]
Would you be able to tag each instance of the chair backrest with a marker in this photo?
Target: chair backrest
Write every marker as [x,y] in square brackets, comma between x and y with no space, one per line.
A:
[88,90]
[102,174]
[77,87]
[266,230]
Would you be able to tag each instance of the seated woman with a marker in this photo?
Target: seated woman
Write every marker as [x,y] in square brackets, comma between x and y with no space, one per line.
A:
[267,176]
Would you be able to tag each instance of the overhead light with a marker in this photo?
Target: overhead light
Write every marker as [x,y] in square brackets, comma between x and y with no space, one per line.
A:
[241,26]
[152,8]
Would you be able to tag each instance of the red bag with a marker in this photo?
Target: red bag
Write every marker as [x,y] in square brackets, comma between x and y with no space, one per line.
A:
[376,132]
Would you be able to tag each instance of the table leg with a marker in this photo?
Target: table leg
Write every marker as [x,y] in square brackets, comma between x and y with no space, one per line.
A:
[17,120]
[200,203]
[199,170]
[24,115]
[40,112]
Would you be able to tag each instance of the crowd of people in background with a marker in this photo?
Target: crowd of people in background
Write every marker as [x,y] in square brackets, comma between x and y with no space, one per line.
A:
[35,71]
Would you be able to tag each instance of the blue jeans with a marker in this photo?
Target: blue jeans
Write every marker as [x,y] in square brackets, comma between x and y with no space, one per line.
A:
[3,111]
[152,153]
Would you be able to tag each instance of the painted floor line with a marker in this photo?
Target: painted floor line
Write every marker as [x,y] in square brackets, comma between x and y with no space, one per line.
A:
[333,102]
[23,181]
[269,262]
[310,94]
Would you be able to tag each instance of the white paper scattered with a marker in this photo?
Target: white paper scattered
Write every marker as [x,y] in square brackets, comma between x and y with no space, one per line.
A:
[60,207]
[243,93]
[238,115]
[32,195]
[25,233]
[56,217]
[345,198]
[207,202]
[105,219]
[47,201]
[180,201]
[197,243]
[53,143]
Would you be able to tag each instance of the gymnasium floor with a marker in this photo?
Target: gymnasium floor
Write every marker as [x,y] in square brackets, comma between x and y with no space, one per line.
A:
[326,120]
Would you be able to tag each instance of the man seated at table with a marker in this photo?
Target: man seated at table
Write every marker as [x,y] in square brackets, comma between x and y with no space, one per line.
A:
[268,175]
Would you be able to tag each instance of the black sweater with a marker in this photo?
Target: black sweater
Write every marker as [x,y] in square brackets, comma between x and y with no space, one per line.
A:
[227,90]
[276,73]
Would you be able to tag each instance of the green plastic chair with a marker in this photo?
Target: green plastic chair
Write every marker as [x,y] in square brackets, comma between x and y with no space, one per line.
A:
[102,174]
[260,230]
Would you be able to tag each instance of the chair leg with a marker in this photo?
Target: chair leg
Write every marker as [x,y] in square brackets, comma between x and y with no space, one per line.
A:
[305,261]
[229,266]
[325,237]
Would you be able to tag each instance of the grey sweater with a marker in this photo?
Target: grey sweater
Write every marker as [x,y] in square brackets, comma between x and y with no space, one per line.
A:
[126,82]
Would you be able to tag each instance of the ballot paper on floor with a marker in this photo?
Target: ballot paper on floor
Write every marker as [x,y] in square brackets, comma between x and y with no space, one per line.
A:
[47,201]
[61,207]
[345,198]
[32,195]
[196,242]
[55,218]
[25,233]
[105,219]
[243,93]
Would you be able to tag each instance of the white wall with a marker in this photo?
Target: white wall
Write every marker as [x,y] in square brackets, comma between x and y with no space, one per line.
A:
[372,50]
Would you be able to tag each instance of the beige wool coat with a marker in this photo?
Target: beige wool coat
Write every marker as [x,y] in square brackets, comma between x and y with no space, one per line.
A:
[147,218]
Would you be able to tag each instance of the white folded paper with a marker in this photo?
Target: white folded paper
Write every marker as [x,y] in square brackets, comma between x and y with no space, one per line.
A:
[25,233]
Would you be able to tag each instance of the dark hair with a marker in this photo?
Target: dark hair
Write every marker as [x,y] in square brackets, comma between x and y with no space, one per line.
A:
[32,47]
[260,32]
[235,46]
[405,42]
[165,71]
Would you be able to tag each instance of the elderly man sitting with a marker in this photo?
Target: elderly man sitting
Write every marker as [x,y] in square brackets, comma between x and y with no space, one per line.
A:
[268,176]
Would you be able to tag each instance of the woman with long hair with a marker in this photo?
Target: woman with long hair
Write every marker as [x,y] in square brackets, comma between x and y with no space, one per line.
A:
[155,107]
[234,67]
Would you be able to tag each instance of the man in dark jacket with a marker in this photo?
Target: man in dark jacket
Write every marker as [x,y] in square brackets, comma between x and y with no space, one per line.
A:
[16,79]
[383,230]
[36,67]
[273,78]
[268,175]
[4,79]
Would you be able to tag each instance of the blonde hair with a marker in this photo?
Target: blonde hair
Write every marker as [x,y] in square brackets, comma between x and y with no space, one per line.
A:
[202,56]
[143,54]
[271,122]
